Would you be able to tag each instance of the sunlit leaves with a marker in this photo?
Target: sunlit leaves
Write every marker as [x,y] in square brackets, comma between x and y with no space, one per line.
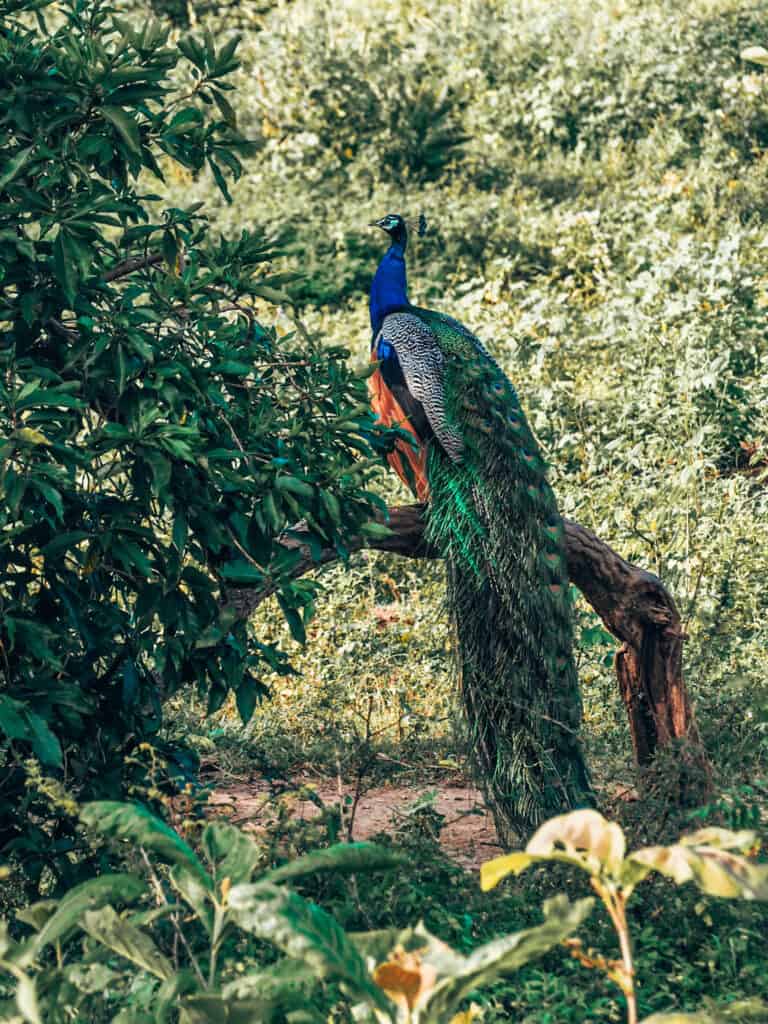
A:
[588,841]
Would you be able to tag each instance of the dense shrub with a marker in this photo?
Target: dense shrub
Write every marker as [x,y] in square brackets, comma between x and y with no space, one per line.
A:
[156,435]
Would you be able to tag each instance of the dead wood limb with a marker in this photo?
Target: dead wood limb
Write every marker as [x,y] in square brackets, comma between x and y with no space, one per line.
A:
[635,607]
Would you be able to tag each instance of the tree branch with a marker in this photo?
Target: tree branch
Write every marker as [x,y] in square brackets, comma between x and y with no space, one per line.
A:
[135,263]
[632,602]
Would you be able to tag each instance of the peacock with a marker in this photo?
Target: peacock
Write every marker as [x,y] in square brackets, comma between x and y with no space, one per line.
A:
[493,516]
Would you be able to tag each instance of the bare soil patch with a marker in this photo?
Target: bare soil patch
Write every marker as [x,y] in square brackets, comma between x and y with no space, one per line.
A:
[468,835]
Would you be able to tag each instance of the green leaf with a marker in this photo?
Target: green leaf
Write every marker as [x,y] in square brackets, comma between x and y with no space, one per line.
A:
[231,853]
[180,529]
[88,895]
[117,934]
[205,1008]
[91,978]
[294,620]
[126,127]
[36,914]
[240,571]
[169,993]
[65,265]
[306,933]
[195,892]
[247,696]
[276,296]
[44,743]
[502,956]
[50,494]
[26,1000]
[293,485]
[342,858]
[377,531]
[14,165]
[137,825]
[13,718]
[225,107]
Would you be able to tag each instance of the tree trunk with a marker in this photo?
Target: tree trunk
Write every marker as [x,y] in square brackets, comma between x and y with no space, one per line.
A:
[635,607]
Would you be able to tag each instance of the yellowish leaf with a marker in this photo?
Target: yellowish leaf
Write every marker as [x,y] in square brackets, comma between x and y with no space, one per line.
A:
[493,871]
[756,55]
[405,978]
[32,436]
[585,838]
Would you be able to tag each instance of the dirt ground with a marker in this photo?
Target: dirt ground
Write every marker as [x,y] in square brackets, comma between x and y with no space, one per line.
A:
[468,836]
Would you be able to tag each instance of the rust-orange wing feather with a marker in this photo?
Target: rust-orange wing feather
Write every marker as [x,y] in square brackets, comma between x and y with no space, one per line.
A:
[408,461]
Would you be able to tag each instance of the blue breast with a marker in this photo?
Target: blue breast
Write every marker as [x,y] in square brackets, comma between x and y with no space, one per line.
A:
[389,288]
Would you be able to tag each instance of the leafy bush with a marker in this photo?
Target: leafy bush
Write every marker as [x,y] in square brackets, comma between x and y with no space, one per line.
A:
[212,936]
[584,839]
[157,437]
[191,939]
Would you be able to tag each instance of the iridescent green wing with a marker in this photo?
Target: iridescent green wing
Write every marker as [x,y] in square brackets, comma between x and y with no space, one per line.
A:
[479,399]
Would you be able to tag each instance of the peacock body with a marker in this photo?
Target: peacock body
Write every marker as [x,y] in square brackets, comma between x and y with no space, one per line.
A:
[494,517]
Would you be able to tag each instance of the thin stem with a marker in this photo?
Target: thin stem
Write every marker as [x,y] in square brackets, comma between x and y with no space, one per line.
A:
[219,921]
[161,900]
[615,903]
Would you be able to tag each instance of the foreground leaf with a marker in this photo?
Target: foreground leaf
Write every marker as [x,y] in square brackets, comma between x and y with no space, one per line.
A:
[490,961]
[341,858]
[584,839]
[232,853]
[307,933]
[89,895]
[117,934]
[714,868]
[135,823]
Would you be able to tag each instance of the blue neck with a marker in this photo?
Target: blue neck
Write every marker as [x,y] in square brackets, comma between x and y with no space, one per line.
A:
[389,288]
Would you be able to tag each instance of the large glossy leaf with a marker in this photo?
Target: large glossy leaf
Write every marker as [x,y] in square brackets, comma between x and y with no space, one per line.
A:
[117,934]
[231,853]
[142,828]
[341,858]
[305,932]
[286,983]
[457,977]
[88,896]
[716,871]
[195,892]
[126,126]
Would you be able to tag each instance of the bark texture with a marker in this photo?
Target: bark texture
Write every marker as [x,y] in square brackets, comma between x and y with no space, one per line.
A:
[634,606]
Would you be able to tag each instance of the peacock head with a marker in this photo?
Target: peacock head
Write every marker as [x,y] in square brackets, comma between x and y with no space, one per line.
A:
[397,227]
[394,225]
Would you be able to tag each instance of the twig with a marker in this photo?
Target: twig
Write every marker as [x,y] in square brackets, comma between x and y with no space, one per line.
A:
[162,901]
[134,263]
